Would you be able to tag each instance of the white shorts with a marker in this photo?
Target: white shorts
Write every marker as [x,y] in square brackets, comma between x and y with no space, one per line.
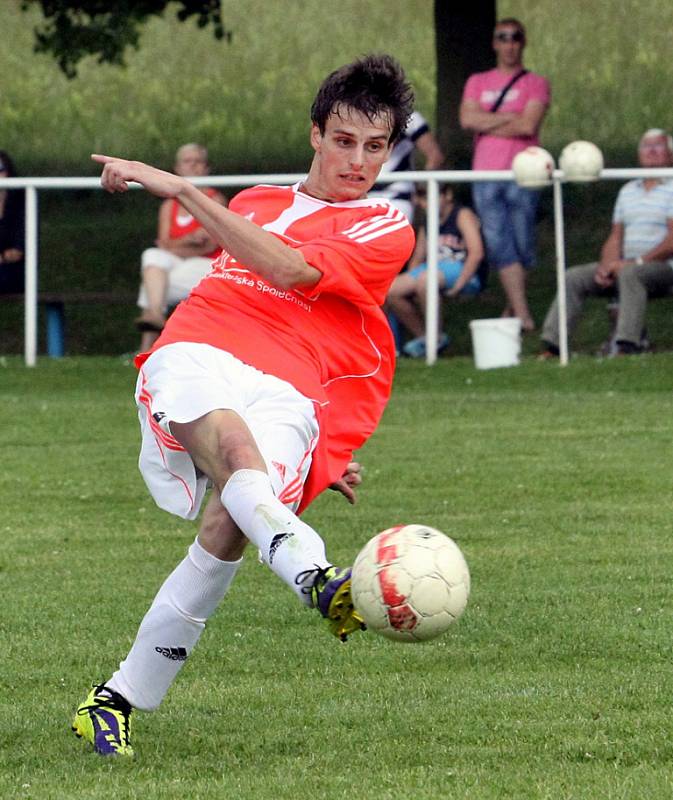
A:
[182,382]
[183,273]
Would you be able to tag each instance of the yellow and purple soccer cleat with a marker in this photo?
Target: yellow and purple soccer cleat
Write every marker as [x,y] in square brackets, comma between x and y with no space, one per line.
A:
[331,595]
[104,720]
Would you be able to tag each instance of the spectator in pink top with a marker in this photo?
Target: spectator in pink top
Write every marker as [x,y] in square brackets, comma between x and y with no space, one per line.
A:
[504,107]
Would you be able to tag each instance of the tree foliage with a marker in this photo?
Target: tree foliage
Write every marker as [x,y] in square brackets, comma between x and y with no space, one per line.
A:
[74,29]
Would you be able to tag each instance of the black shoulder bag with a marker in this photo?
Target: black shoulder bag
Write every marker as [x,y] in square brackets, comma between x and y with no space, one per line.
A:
[506,89]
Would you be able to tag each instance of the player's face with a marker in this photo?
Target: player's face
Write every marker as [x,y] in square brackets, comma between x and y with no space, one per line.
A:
[191,163]
[653,152]
[508,43]
[348,156]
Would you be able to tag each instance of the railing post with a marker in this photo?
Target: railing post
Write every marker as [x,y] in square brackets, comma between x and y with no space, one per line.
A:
[559,238]
[432,285]
[30,299]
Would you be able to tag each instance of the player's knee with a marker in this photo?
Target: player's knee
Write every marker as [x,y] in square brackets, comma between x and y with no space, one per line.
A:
[238,451]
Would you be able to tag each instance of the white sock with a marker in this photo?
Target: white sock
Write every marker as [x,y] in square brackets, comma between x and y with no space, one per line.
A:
[172,627]
[288,545]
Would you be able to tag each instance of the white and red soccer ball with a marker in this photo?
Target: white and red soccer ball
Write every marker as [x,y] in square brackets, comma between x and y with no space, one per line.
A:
[581,162]
[410,583]
[533,168]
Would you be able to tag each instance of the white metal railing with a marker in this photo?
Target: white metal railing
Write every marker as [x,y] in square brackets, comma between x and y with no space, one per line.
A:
[431,178]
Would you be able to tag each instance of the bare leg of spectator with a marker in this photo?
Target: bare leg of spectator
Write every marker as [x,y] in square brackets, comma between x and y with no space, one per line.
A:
[147,339]
[513,280]
[155,284]
[400,301]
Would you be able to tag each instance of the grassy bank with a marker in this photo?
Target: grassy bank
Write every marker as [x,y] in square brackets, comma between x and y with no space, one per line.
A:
[247,99]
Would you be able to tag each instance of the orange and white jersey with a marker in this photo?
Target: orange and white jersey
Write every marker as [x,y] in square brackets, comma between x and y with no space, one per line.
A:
[331,342]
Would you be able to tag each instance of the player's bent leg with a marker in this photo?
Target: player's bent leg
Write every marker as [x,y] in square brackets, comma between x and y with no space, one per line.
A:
[292,549]
[219,443]
[223,447]
[287,545]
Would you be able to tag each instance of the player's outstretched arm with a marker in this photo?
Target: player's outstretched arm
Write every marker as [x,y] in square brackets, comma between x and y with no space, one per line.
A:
[253,247]
[117,172]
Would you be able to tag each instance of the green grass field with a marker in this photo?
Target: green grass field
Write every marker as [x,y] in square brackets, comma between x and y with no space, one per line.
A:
[556,683]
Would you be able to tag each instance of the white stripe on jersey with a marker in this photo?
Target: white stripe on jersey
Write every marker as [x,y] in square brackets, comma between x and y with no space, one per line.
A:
[302,206]
[381,232]
[366,222]
[383,223]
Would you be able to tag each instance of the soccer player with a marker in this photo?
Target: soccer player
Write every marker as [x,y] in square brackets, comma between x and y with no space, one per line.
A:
[266,379]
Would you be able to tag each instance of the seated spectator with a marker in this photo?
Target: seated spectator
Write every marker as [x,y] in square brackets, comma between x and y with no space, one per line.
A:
[12,231]
[635,258]
[183,254]
[460,257]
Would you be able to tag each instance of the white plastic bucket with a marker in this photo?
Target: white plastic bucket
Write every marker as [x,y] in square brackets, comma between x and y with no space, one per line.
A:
[496,342]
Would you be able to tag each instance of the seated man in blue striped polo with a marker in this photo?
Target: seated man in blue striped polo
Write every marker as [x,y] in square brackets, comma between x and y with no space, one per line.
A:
[636,259]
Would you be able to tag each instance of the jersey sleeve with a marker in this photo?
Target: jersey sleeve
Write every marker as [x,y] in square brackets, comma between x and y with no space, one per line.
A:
[360,263]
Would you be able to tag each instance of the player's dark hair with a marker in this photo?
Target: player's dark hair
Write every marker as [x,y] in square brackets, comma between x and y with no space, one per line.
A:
[372,85]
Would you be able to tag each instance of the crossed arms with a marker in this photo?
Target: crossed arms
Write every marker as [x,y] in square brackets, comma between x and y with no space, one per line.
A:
[508,123]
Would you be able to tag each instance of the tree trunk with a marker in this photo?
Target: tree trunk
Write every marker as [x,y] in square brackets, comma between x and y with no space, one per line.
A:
[463,33]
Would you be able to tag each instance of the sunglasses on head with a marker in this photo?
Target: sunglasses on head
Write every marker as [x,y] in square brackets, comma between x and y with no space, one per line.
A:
[504,36]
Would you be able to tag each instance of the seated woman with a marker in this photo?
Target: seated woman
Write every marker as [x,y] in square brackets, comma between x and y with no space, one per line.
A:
[12,231]
[460,256]
[183,254]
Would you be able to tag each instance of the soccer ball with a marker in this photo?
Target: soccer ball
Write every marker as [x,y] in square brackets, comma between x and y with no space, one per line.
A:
[533,167]
[410,583]
[581,162]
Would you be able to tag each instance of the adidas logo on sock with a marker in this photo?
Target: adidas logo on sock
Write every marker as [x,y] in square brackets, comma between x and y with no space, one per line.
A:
[276,542]
[173,653]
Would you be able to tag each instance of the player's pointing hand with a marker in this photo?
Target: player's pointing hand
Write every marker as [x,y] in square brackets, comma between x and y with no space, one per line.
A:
[118,172]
